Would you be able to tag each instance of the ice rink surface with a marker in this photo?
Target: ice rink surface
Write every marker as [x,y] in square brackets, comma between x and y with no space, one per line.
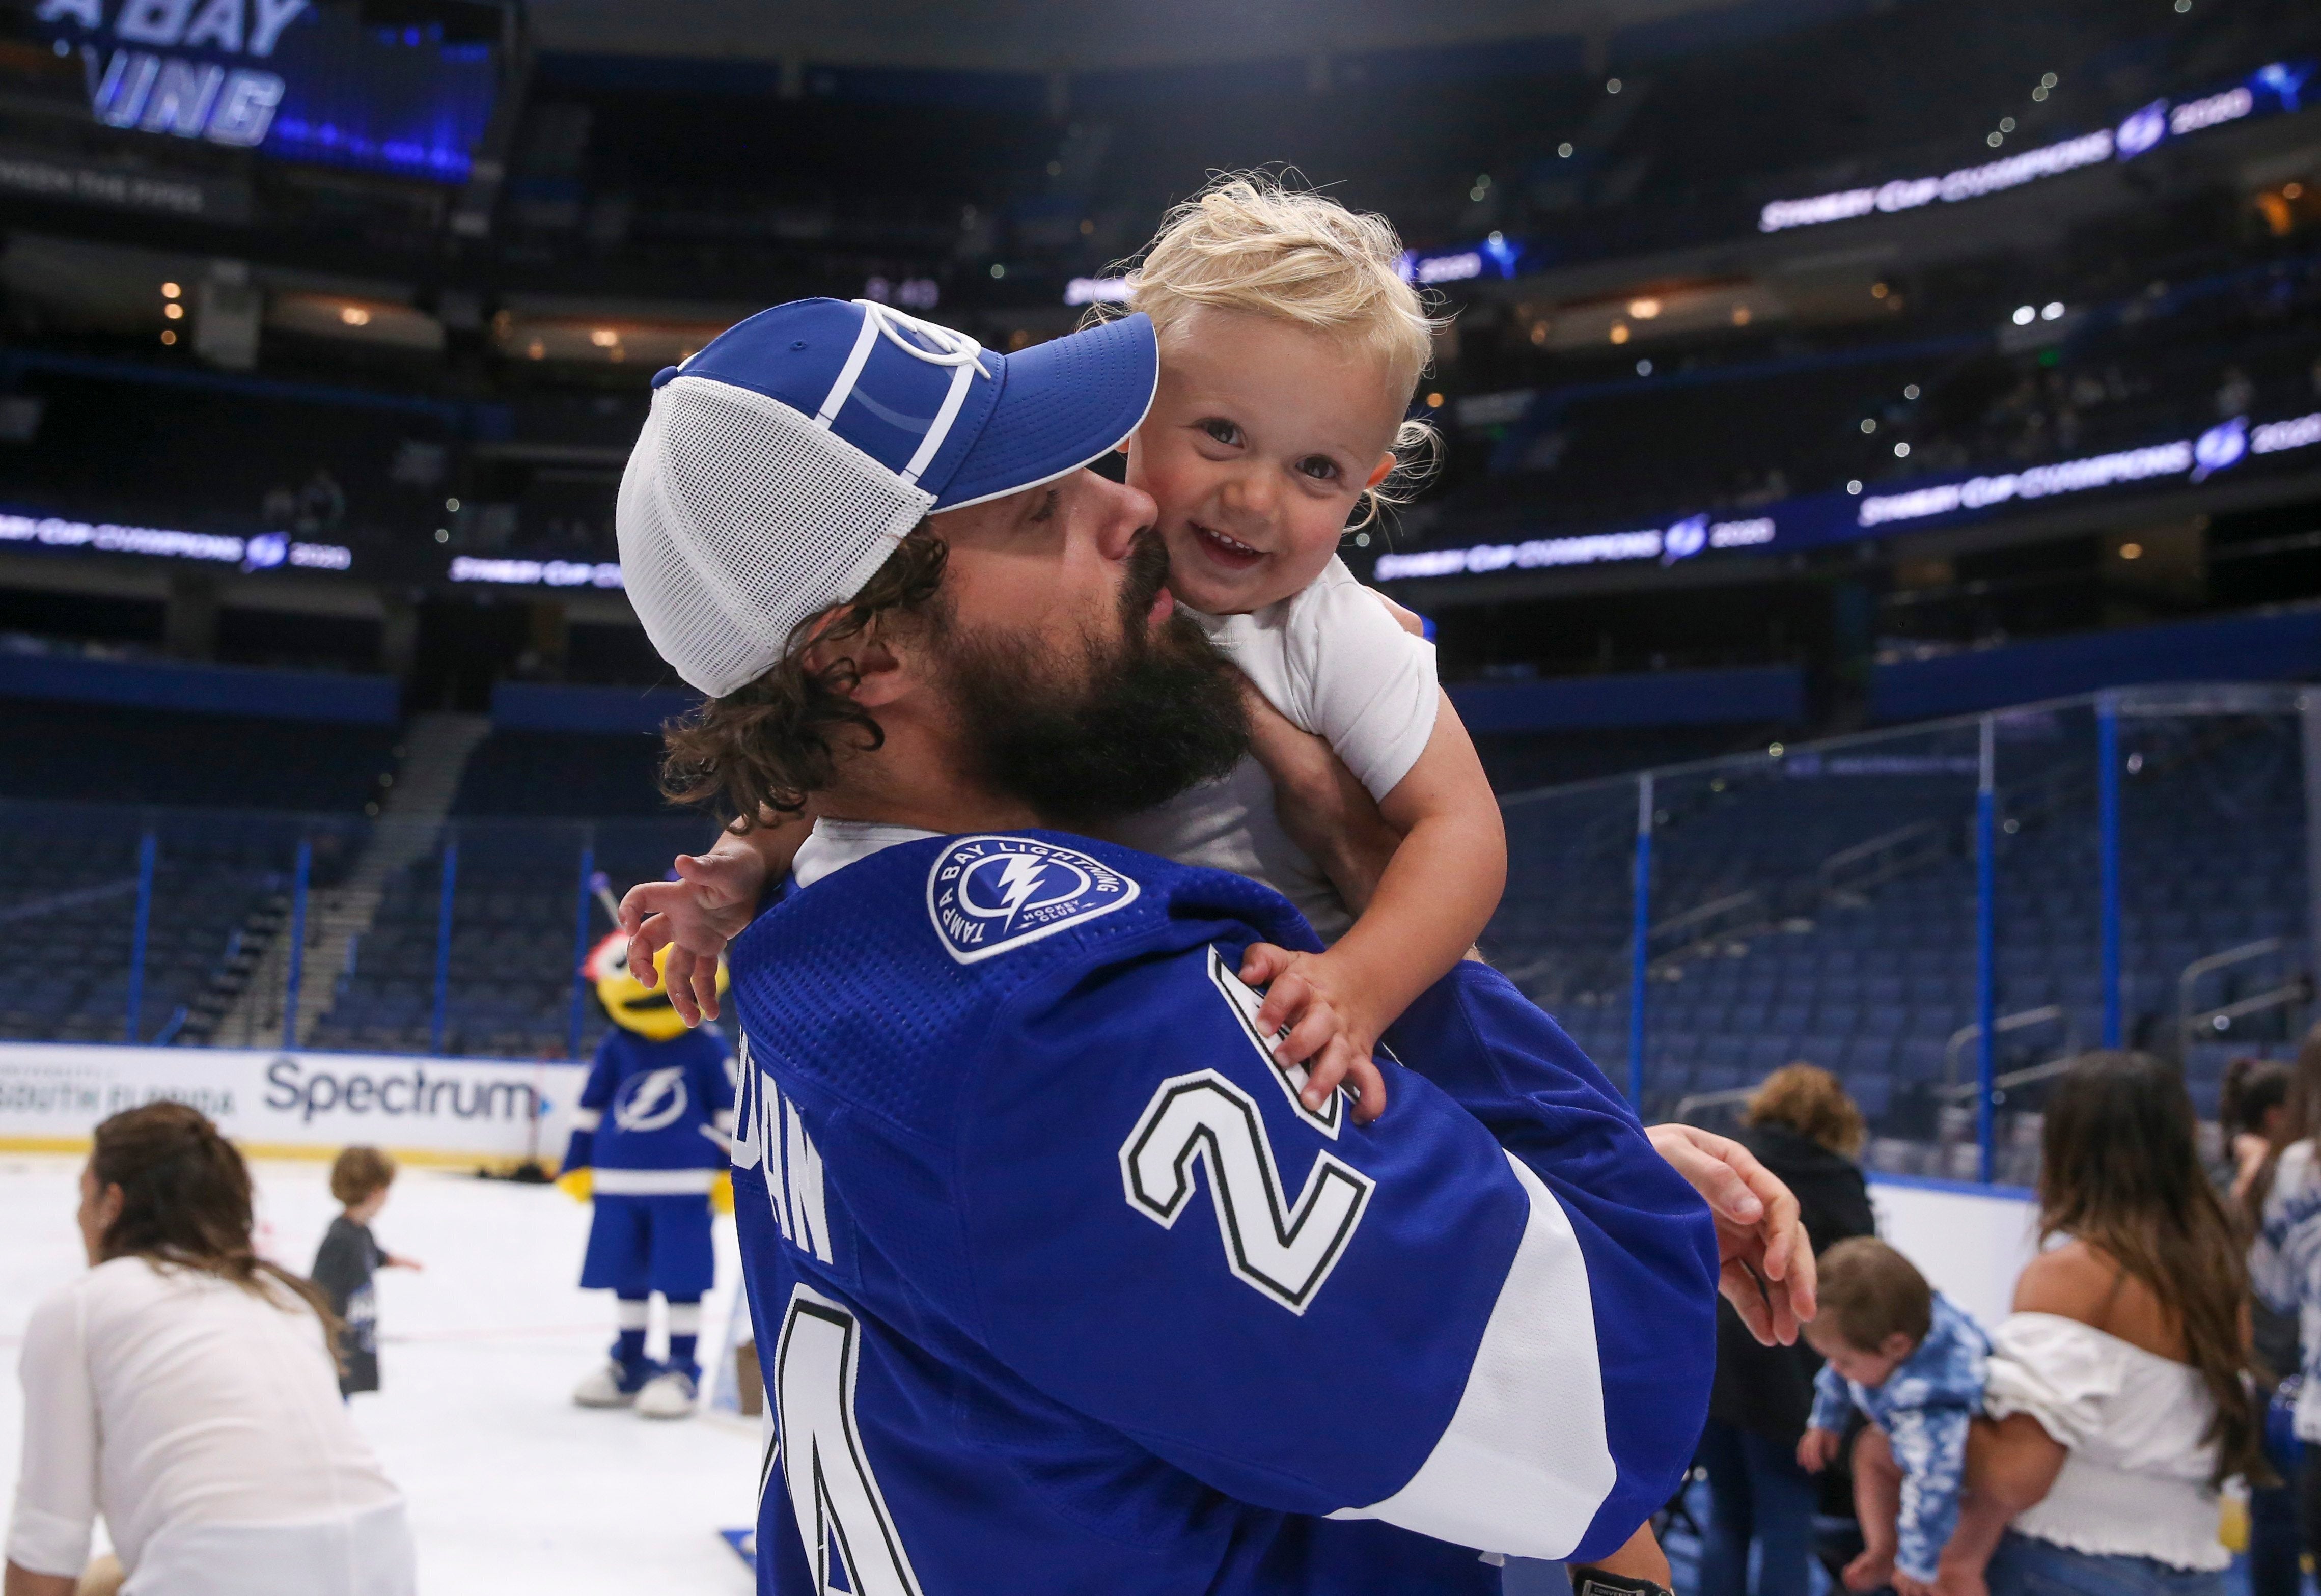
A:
[512,1488]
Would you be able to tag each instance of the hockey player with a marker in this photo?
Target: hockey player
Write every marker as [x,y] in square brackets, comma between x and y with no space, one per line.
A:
[1065,1283]
[649,1148]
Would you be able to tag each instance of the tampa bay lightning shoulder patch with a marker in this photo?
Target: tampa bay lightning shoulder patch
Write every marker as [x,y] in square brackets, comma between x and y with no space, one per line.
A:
[987,894]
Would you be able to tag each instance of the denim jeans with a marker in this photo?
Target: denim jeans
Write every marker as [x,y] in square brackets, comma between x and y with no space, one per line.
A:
[1756,1492]
[2027,1567]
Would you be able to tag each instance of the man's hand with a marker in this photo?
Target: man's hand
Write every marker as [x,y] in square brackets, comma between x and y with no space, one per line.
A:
[1759,1237]
[694,916]
[1325,1032]
[1817,1449]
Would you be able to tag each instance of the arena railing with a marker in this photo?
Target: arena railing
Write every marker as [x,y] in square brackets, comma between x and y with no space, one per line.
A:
[1939,913]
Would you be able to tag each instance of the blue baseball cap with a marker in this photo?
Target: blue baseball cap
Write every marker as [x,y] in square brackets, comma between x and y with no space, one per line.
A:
[781,464]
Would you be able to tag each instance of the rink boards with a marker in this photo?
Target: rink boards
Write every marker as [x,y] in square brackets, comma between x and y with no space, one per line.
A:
[294,1103]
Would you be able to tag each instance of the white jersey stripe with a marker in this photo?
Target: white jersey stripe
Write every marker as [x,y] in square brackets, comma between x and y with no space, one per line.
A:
[1525,1462]
[653,1182]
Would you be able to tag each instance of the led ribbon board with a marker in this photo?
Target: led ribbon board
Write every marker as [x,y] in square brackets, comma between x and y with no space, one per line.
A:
[1813,520]
[289,77]
[264,551]
[2280,85]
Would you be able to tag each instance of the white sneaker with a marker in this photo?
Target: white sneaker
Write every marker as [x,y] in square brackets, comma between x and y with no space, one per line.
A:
[603,1389]
[668,1394]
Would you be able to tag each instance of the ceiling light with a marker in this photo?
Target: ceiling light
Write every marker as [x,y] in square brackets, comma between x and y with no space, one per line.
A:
[2040,92]
[173,310]
[1611,86]
[1910,392]
[1643,310]
[2048,81]
[1539,332]
[171,291]
[1901,452]
[1564,150]
[442,534]
[1619,331]
[2025,315]
[2292,191]
[2131,551]
[603,337]
[1434,401]
[2052,310]
[536,350]
[1739,315]
[1878,290]
[354,316]
[1995,139]
[1643,367]
[169,336]
[2006,125]
[1854,485]
[452,505]
[1869,424]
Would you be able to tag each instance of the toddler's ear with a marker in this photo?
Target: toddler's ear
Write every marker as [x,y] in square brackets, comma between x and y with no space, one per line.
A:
[1383,469]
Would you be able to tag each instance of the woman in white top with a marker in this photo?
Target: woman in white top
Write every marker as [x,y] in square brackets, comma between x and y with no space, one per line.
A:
[184,1388]
[2115,1402]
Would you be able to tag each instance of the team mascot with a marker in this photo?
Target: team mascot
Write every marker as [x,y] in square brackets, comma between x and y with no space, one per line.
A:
[650,1149]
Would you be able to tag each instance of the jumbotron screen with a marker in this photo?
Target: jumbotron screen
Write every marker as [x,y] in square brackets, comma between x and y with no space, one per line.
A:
[294,78]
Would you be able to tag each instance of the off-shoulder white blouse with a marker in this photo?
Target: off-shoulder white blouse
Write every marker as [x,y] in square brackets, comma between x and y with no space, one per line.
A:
[2136,1481]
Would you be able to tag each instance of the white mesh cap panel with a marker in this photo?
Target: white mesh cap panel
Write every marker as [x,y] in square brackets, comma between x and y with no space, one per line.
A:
[739,518]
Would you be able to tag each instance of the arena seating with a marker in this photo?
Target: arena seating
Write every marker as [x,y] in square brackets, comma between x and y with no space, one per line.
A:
[1873,981]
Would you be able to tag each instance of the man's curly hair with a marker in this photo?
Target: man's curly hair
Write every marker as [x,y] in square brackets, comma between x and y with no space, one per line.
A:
[764,749]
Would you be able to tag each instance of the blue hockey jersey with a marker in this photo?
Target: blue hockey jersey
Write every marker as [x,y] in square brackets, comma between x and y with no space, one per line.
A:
[654,1116]
[1059,1287]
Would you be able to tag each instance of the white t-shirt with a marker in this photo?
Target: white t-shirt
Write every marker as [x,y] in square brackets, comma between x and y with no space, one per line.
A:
[1335,664]
[205,1422]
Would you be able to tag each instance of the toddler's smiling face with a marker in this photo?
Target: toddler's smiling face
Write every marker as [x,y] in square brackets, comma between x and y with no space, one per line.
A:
[1261,437]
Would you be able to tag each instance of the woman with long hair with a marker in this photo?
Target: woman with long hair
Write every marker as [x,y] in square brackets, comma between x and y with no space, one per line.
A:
[184,1388]
[2118,1397]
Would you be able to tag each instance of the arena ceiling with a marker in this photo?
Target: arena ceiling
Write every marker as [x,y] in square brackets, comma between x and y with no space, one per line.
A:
[1073,35]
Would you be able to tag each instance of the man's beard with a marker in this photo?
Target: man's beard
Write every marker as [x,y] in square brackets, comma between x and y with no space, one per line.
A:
[1135,719]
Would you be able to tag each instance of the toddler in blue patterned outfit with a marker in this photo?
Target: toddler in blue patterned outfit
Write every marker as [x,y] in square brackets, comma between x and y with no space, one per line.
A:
[1913,1362]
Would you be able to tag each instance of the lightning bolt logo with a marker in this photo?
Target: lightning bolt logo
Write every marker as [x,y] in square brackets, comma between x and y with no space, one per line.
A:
[1017,877]
[986,894]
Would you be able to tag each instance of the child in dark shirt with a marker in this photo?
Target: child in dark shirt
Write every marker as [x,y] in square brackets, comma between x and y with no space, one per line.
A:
[348,1256]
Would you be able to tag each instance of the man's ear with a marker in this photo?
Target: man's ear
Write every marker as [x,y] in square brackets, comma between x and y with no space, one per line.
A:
[881,673]
[1383,469]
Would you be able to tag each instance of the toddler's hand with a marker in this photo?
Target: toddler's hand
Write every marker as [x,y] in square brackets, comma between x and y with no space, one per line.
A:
[397,1261]
[1817,1449]
[1904,1585]
[1326,1033]
[694,916]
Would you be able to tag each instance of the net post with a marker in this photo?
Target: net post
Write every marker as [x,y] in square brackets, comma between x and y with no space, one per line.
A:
[580,944]
[297,942]
[443,943]
[2309,707]
[2108,814]
[1640,961]
[148,850]
[1986,935]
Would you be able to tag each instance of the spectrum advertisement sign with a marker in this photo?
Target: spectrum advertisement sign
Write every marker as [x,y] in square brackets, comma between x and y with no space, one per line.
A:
[1816,520]
[2280,85]
[53,1094]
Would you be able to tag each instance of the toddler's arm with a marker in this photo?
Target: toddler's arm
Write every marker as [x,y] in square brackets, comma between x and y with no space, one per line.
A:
[1437,892]
[709,904]
[1833,1403]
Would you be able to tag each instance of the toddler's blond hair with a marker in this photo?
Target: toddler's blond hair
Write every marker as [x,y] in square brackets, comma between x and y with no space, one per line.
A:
[1249,242]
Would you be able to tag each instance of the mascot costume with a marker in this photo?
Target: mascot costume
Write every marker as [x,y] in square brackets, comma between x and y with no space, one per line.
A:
[650,1149]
